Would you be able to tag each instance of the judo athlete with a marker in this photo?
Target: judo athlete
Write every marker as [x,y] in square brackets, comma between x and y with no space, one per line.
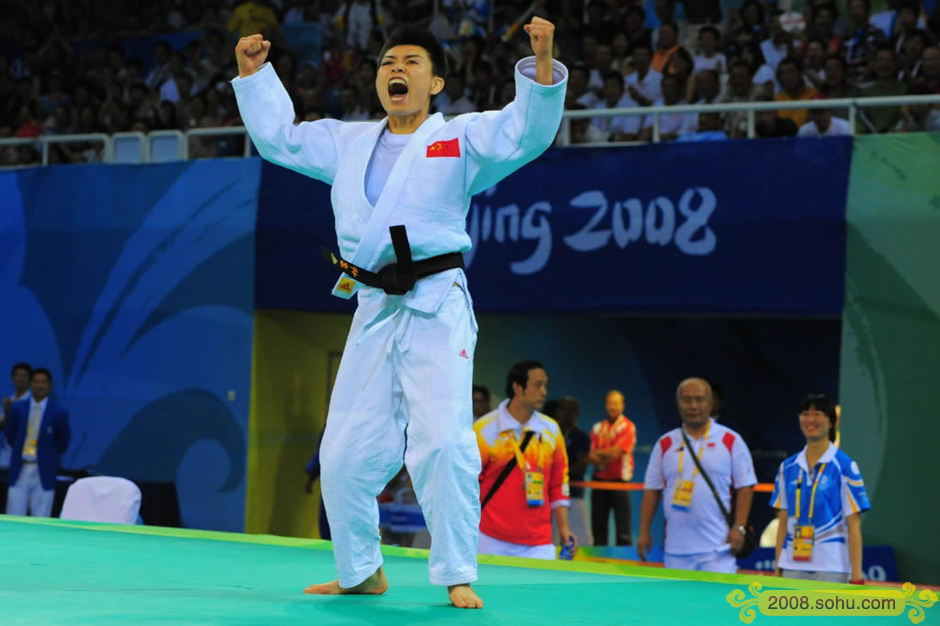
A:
[401,190]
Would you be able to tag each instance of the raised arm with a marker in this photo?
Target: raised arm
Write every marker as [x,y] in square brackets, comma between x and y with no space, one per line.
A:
[268,114]
[500,142]
[541,37]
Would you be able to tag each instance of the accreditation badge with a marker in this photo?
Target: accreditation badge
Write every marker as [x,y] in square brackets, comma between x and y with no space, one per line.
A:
[682,498]
[803,542]
[534,488]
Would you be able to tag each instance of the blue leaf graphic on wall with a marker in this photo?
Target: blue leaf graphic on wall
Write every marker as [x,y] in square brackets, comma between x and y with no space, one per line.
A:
[24,326]
[152,340]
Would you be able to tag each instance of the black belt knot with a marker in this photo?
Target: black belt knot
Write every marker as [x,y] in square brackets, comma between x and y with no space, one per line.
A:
[398,278]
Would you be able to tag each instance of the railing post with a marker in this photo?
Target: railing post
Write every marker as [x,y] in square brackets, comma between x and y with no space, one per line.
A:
[852,117]
[565,134]
[656,127]
[751,129]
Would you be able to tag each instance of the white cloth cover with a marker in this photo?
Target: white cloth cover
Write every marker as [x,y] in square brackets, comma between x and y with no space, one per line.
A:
[102,499]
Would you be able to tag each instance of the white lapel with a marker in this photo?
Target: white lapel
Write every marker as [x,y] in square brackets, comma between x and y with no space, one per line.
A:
[366,145]
[378,222]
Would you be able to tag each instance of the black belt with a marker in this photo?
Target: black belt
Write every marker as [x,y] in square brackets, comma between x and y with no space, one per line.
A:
[396,279]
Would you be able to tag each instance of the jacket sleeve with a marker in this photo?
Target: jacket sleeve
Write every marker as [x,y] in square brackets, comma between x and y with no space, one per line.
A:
[626,440]
[654,479]
[500,142]
[778,499]
[267,111]
[63,434]
[559,491]
[13,421]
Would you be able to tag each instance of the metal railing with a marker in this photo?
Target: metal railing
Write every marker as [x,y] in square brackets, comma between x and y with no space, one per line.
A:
[750,108]
[175,144]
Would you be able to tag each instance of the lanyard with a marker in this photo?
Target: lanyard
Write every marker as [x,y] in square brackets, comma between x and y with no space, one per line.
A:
[520,460]
[812,498]
[701,450]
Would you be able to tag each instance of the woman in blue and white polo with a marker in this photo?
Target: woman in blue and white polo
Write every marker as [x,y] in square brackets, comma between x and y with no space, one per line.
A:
[819,496]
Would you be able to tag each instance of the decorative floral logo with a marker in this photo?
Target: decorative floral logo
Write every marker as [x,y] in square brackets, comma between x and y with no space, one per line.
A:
[854,601]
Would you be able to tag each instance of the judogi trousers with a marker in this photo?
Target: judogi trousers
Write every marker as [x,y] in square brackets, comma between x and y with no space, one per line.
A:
[404,371]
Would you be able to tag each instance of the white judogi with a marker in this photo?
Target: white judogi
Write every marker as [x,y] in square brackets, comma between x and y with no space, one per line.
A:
[408,360]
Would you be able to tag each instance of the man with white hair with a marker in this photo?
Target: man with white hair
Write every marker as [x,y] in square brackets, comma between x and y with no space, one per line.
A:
[697,533]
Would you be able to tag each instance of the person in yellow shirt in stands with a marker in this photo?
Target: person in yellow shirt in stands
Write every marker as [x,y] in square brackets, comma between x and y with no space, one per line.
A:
[253,16]
[793,87]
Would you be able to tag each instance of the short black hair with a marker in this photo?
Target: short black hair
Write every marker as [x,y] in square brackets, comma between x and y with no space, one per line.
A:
[409,35]
[824,404]
[613,75]
[838,58]
[747,67]
[708,28]
[671,77]
[794,61]
[819,40]
[886,47]
[519,374]
[919,34]
[579,67]
[42,370]
[671,25]
[22,366]
[758,5]
[481,389]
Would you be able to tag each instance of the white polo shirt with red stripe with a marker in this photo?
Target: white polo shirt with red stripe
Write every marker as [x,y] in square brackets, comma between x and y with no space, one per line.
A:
[726,458]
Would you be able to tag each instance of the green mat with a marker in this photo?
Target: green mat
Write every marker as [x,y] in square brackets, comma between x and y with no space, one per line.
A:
[53,571]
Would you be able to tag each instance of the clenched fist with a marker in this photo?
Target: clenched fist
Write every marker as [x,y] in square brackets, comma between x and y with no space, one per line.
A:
[541,34]
[250,53]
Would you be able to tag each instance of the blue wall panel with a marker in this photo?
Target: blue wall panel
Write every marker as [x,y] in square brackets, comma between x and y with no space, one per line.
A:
[134,286]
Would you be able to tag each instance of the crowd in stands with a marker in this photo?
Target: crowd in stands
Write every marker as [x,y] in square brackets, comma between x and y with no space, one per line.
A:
[83,66]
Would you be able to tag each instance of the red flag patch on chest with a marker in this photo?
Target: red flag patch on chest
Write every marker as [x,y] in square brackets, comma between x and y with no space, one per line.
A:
[449,148]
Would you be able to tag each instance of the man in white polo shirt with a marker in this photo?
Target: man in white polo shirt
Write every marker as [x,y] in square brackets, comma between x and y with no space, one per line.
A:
[697,533]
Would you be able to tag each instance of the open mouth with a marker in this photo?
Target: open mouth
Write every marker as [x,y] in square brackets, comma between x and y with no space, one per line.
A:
[397,89]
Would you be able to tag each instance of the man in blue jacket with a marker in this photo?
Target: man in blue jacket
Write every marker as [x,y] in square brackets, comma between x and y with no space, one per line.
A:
[38,433]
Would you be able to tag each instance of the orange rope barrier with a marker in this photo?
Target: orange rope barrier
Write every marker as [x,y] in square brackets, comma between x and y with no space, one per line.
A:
[615,486]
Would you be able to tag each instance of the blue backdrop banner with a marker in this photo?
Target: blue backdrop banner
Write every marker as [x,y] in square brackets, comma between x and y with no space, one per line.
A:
[738,227]
[133,285]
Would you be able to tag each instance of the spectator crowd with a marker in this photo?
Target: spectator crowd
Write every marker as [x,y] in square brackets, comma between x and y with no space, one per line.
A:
[109,66]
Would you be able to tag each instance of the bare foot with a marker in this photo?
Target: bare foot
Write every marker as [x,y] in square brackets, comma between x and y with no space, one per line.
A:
[376,584]
[463,597]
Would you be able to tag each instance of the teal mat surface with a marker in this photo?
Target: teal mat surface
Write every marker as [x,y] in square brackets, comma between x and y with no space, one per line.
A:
[56,572]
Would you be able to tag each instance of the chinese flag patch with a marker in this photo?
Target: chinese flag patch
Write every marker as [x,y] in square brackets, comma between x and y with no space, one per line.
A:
[449,148]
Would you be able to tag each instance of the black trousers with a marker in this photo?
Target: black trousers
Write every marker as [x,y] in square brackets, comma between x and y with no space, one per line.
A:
[602,502]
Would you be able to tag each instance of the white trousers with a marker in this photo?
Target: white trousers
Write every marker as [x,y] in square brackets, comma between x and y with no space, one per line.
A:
[28,491]
[404,374]
[721,561]
[492,545]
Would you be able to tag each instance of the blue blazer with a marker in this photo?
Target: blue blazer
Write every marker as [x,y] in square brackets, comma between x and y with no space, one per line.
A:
[53,440]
